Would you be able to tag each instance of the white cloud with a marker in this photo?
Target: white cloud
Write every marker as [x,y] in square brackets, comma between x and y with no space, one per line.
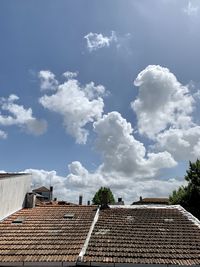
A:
[190,9]
[164,110]
[162,101]
[3,135]
[127,168]
[97,40]
[78,105]
[19,116]
[183,144]
[123,153]
[70,75]
[47,80]
[69,188]
[126,163]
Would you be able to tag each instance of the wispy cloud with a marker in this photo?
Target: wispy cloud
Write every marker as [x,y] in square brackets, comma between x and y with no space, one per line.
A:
[70,75]
[98,40]
[3,135]
[191,9]
[47,80]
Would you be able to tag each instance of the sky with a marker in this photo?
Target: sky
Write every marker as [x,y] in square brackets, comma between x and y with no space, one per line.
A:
[100,93]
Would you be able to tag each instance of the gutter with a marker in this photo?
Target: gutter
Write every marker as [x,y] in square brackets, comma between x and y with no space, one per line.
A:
[85,246]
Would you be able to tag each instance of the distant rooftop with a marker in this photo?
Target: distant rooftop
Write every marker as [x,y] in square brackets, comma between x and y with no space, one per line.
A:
[9,174]
[41,189]
[152,200]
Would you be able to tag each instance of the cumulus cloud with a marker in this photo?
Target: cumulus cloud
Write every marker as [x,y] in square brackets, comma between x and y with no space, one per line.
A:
[69,187]
[77,104]
[17,115]
[98,40]
[190,9]
[162,101]
[125,162]
[123,153]
[183,144]
[164,109]
[47,80]
[127,167]
[62,188]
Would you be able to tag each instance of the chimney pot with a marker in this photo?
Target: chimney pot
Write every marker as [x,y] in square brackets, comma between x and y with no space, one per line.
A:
[140,198]
[88,202]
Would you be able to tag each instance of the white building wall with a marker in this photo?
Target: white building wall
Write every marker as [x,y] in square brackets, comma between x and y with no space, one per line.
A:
[13,191]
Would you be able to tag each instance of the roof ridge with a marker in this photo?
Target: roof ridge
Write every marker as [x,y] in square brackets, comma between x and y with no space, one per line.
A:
[85,246]
[147,206]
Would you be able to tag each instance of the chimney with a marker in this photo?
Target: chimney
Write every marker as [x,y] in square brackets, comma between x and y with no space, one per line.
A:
[51,193]
[119,199]
[30,200]
[80,199]
[140,199]
[88,202]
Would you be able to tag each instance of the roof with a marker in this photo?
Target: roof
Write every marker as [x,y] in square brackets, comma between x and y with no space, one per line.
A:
[44,235]
[120,235]
[145,235]
[155,200]
[41,189]
[8,175]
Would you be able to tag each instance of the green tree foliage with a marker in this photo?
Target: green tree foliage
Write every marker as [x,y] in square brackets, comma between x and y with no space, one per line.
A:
[189,196]
[100,194]
[179,196]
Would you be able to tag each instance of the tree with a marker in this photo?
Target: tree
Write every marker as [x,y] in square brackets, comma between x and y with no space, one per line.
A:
[179,196]
[104,194]
[189,196]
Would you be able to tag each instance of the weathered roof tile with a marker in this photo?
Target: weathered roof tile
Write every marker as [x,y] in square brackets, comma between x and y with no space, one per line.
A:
[144,236]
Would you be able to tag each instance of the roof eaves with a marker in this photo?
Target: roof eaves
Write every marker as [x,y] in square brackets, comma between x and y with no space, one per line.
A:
[34,264]
[114,264]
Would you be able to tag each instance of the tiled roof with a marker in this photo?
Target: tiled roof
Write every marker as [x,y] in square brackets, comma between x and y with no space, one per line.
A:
[144,235]
[44,235]
[8,175]
[134,234]
[41,189]
[153,200]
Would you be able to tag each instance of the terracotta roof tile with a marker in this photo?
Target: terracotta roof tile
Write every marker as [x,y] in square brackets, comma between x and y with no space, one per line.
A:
[144,236]
[44,235]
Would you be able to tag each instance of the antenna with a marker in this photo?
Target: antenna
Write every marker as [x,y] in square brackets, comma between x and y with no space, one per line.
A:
[50,181]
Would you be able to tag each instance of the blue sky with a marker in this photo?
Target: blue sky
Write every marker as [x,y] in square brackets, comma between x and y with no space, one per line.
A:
[124,114]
